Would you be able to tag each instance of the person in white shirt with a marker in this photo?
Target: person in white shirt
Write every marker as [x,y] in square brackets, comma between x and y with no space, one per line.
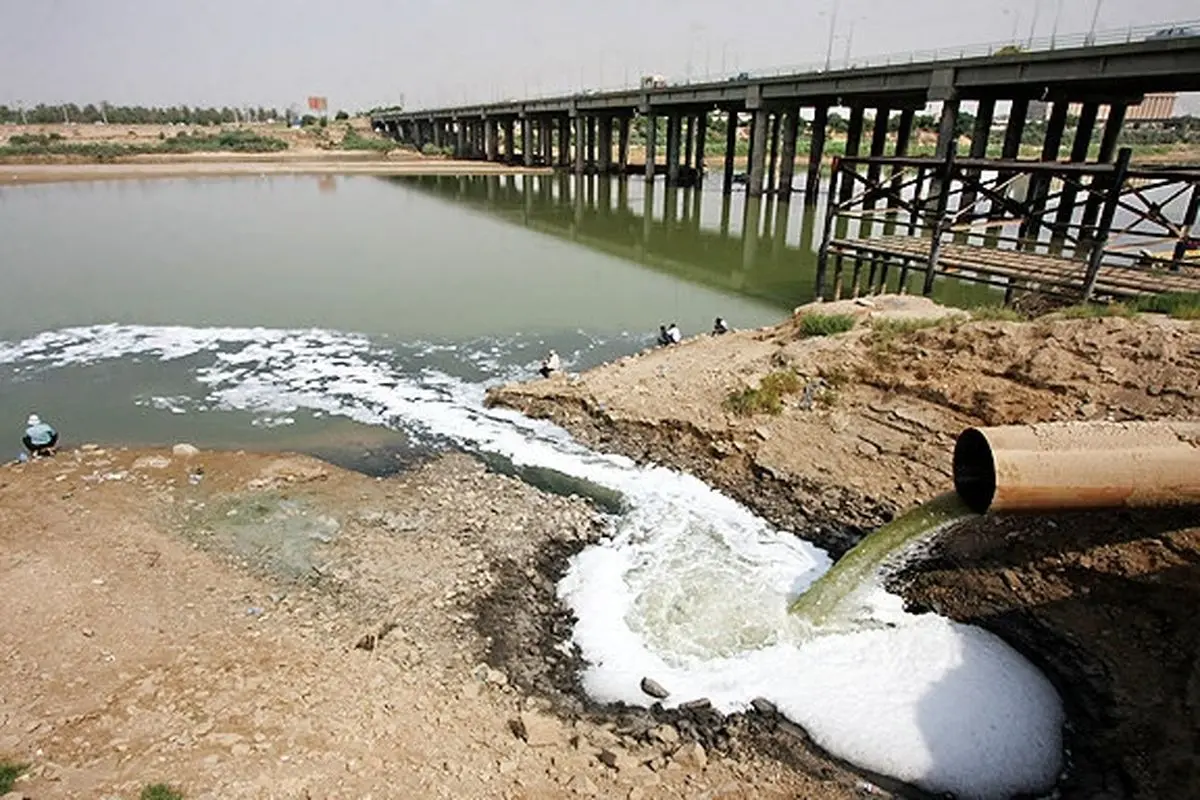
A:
[720,326]
[550,364]
[674,334]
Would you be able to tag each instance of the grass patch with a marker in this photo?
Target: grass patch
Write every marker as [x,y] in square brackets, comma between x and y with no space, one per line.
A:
[233,141]
[889,328]
[160,791]
[353,140]
[9,772]
[1180,305]
[996,314]
[1095,311]
[767,398]
[825,324]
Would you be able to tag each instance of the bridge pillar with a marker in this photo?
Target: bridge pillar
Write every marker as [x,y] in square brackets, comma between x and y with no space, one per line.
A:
[879,132]
[980,134]
[548,143]
[689,141]
[1079,150]
[1108,148]
[564,141]
[787,164]
[510,140]
[701,141]
[623,144]
[853,142]
[903,137]
[758,153]
[816,152]
[460,139]
[731,132]
[527,141]
[674,129]
[580,150]
[491,137]
[773,165]
[604,143]
[1039,185]
[651,137]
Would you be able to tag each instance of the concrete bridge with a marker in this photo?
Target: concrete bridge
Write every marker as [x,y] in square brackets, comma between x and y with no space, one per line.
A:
[577,131]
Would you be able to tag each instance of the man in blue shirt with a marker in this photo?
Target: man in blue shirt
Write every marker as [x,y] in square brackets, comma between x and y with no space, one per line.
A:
[40,438]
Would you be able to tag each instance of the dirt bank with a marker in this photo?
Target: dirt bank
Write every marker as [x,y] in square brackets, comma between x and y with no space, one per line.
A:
[248,625]
[1103,602]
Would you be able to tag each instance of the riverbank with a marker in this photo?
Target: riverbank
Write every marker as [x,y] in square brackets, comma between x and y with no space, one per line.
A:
[866,423]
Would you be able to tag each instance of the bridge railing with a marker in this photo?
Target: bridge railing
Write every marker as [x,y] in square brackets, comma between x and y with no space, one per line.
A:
[996,48]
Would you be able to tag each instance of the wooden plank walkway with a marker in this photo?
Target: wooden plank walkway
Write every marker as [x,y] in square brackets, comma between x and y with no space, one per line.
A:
[1032,269]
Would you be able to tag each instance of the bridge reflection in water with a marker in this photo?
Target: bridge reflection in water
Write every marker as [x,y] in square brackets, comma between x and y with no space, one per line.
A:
[753,246]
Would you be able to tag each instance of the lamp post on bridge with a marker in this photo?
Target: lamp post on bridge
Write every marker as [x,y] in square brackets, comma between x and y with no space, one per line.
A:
[832,27]
[1091,36]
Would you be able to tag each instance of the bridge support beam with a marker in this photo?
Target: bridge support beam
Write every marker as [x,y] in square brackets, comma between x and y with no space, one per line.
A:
[1108,149]
[605,143]
[689,147]
[623,144]
[879,132]
[816,152]
[787,166]
[527,141]
[758,153]
[651,143]
[580,150]
[853,142]
[564,141]
[460,139]
[1079,150]
[1039,185]
[731,133]
[773,164]
[674,131]
[510,141]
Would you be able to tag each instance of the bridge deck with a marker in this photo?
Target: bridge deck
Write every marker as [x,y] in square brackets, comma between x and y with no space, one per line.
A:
[992,265]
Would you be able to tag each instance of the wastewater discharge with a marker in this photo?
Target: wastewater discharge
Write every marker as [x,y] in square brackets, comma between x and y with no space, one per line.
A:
[690,589]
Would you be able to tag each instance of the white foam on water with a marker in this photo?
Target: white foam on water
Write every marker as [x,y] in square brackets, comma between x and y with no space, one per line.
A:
[691,589]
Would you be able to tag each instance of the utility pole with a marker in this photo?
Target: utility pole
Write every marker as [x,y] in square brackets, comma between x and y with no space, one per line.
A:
[832,27]
[1091,36]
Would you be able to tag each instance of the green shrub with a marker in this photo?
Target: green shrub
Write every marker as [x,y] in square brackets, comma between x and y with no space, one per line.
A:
[354,141]
[825,324]
[9,772]
[1180,305]
[767,398]
[888,328]
[430,149]
[160,791]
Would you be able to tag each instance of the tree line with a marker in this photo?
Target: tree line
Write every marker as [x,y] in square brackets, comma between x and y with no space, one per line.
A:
[43,114]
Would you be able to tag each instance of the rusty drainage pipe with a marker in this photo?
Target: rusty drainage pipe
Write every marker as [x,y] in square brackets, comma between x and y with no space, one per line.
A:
[1078,465]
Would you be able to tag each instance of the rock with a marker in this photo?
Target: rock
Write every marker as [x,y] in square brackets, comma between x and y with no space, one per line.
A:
[764,706]
[582,785]
[691,755]
[762,433]
[666,734]
[152,462]
[617,760]
[15,796]
[654,689]
[703,704]
[537,730]
[184,450]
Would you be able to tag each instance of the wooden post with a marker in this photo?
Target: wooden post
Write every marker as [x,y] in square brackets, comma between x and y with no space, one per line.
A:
[1189,219]
[831,210]
[1111,199]
[943,200]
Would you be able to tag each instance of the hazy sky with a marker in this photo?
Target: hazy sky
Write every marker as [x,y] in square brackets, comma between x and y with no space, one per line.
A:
[362,53]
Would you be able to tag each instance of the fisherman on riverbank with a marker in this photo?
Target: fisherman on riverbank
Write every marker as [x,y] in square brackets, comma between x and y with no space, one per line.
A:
[673,334]
[664,338]
[720,326]
[40,439]
[550,364]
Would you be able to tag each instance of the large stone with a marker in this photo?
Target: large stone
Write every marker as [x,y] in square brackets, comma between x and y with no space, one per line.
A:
[666,734]
[152,462]
[582,785]
[691,756]
[654,689]
[184,450]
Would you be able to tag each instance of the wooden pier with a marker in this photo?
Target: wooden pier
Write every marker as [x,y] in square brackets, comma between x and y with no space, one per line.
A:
[1074,230]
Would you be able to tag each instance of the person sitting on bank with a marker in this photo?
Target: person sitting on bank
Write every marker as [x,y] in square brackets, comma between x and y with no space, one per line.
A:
[550,364]
[720,326]
[673,333]
[664,338]
[40,439]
